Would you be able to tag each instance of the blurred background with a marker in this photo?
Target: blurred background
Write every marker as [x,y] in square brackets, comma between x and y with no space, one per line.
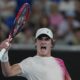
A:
[62,16]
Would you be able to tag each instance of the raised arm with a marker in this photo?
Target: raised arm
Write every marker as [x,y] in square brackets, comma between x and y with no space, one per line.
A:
[7,69]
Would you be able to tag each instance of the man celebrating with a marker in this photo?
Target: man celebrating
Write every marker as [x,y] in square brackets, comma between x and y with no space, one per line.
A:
[40,67]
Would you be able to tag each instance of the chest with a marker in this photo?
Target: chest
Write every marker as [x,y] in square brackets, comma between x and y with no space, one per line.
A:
[47,70]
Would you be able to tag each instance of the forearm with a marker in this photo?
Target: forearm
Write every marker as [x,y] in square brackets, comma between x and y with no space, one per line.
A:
[6,68]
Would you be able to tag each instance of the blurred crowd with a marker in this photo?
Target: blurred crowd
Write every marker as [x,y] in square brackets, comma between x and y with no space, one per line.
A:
[61,16]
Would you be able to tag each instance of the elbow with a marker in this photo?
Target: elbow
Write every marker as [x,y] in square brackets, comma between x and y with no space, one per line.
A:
[4,74]
[7,74]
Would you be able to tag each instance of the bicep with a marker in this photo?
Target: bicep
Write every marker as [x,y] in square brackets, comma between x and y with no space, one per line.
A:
[15,70]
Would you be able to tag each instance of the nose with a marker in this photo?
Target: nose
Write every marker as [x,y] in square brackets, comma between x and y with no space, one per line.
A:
[43,41]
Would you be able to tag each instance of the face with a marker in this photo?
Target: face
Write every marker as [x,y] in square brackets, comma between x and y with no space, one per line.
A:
[44,45]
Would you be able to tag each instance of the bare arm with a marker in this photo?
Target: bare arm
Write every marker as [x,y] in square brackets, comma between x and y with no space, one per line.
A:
[9,70]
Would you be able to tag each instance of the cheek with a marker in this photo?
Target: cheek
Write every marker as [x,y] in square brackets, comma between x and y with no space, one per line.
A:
[49,45]
[37,44]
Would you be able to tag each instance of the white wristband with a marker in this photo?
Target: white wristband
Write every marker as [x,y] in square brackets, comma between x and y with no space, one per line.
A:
[2,53]
[5,57]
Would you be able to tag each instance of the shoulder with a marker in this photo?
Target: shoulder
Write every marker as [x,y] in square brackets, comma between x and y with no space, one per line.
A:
[27,60]
[60,61]
[26,63]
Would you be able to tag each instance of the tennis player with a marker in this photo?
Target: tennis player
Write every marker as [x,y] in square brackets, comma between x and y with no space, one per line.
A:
[40,67]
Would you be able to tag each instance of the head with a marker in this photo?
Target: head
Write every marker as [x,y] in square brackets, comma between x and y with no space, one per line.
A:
[44,41]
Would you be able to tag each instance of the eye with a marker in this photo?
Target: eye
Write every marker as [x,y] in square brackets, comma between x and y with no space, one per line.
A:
[46,39]
[40,38]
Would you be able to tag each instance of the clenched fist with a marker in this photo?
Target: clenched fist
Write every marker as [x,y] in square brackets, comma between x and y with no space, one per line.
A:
[5,44]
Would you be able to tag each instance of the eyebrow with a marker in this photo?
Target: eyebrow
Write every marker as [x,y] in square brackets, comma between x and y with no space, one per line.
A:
[43,38]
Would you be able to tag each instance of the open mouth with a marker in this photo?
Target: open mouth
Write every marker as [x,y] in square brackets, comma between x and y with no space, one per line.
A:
[43,47]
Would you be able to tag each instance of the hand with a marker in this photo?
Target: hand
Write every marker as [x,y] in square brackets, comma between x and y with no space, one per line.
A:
[6,43]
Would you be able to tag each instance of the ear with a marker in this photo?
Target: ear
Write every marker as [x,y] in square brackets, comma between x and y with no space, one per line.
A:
[54,40]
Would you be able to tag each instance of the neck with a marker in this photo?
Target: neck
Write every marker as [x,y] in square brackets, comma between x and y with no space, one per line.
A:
[44,55]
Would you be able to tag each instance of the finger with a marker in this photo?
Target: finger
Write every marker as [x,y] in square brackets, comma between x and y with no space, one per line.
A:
[7,43]
[9,39]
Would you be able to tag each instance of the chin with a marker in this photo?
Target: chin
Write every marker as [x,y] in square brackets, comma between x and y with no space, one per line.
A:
[44,54]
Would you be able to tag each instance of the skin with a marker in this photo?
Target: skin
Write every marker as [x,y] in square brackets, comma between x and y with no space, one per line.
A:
[7,69]
[44,43]
[13,70]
